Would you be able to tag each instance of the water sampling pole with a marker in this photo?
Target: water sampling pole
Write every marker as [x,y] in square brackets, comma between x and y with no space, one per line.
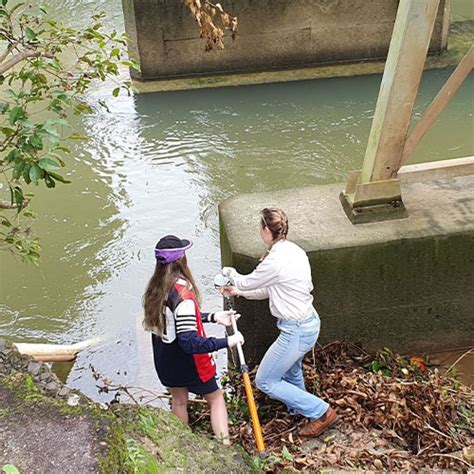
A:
[220,282]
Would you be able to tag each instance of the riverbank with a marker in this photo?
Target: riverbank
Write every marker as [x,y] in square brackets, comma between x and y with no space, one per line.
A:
[46,427]
[396,414]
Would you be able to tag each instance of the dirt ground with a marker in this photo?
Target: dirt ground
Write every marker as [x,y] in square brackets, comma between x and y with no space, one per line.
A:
[41,439]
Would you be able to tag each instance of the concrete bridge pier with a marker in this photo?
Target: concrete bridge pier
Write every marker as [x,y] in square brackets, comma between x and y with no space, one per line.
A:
[406,284]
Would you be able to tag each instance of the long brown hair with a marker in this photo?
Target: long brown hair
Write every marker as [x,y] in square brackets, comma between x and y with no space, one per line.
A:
[277,221]
[159,287]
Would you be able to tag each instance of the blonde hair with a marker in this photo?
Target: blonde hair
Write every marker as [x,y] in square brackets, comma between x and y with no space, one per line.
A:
[276,220]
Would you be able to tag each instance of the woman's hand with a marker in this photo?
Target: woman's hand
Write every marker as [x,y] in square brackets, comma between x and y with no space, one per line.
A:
[225,317]
[229,272]
[228,291]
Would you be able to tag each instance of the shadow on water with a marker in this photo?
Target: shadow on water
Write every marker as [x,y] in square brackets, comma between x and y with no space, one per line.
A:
[62,370]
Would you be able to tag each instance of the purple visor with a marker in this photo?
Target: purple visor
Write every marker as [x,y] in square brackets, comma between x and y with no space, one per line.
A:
[171,255]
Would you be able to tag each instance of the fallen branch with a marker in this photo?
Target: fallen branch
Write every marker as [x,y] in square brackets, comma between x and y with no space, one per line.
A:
[469,465]
[54,352]
[459,359]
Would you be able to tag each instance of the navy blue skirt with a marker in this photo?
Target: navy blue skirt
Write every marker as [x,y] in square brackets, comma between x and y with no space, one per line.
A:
[201,388]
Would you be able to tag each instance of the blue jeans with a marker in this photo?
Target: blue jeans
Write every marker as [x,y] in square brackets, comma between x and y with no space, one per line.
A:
[280,374]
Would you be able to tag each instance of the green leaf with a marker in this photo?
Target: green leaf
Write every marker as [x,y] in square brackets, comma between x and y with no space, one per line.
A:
[286,455]
[7,131]
[36,142]
[128,63]
[116,91]
[58,177]
[35,173]
[10,469]
[30,34]
[50,183]
[18,170]
[3,106]
[17,113]
[64,149]
[26,173]
[17,197]
[13,155]
[48,164]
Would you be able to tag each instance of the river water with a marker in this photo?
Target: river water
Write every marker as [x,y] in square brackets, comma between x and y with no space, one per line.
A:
[161,163]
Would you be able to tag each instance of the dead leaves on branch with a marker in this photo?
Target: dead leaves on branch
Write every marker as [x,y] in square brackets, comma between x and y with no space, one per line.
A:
[212,20]
[395,413]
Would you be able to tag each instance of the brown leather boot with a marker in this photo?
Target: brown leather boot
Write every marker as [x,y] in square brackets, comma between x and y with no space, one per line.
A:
[316,427]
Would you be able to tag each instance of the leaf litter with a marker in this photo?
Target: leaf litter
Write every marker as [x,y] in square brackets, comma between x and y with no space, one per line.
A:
[395,413]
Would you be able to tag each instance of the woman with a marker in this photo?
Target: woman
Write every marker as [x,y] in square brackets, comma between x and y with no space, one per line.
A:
[181,349]
[284,277]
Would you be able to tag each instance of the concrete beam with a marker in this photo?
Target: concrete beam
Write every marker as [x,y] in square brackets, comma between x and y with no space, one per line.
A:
[452,168]
[438,104]
[273,35]
[406,57]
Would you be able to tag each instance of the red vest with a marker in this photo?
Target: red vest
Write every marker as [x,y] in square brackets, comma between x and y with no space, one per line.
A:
[205,364]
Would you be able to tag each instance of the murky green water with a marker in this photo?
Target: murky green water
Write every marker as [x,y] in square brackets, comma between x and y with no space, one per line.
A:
[160,164]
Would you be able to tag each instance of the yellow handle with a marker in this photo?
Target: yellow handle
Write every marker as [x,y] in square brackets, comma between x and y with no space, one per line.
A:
[257,429]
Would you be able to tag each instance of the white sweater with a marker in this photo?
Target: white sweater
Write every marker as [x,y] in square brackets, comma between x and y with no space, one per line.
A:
[284,277]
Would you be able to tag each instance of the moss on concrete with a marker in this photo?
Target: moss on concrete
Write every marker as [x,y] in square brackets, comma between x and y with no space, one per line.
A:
[123,438]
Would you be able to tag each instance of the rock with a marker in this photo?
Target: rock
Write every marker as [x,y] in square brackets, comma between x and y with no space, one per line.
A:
[52,387]
[309,446]
[44,375]
[34,367]
[73,400]
[64,392]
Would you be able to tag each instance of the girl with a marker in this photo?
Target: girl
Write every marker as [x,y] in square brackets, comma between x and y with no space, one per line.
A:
[284,277]
[180,346]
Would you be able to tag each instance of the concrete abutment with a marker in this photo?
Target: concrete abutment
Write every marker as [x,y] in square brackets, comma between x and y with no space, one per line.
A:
[406,284]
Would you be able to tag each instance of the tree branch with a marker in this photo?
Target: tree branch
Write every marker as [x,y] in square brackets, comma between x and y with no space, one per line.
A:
[9,205]
[29,53]
[5,54]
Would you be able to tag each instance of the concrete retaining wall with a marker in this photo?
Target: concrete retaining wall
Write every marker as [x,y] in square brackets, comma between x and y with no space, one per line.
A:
[272,34]
[406,284]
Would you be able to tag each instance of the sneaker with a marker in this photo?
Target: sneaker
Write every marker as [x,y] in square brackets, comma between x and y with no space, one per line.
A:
[316,427]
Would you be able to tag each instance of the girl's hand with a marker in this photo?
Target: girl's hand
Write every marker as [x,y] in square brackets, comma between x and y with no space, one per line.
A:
[225,317]
[228,291]
[235,339]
